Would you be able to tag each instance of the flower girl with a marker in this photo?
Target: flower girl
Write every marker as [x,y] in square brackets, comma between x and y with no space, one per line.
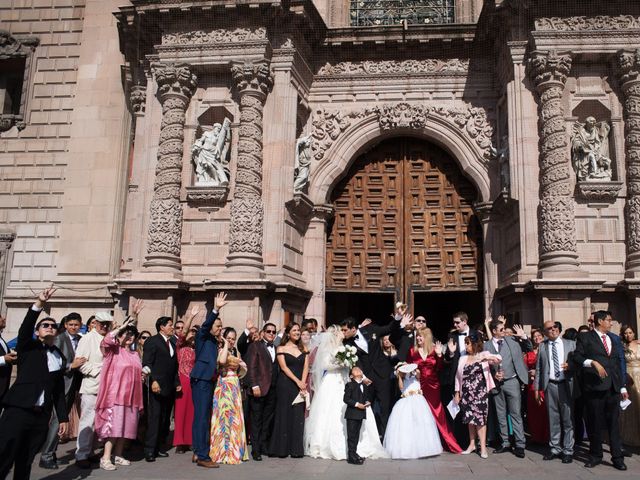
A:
[412,431]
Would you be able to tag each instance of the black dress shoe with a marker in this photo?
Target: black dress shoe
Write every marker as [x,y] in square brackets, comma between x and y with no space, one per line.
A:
[592,463]
[354,461]
[567,459]
[551,456]
[619,466]
[626,453]
[502,449]
[518,452]
[48,464]
[257,457]
[149,457]
[84,464]
[162,454]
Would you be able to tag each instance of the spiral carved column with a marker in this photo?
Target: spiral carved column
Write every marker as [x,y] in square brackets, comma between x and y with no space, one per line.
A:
[629,76]
[556,216]
[176,85]
[252,82]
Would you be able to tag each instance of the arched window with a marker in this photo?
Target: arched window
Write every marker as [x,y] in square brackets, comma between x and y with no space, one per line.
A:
[396,12]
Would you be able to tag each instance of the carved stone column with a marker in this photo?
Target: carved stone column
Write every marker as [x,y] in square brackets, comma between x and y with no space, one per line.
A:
[556,216]
[176,85]
[629,76]
[252,82]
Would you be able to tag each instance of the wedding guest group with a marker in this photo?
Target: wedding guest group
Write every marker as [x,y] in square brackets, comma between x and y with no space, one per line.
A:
[358,390]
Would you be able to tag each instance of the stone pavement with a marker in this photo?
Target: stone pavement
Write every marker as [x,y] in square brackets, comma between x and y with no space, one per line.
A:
[459,467]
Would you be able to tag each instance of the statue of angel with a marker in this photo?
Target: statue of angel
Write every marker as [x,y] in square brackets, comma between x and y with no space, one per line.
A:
[590,150]
[303,163]
[209,155]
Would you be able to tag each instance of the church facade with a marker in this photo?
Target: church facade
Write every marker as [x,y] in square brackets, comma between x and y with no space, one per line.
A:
[322,158]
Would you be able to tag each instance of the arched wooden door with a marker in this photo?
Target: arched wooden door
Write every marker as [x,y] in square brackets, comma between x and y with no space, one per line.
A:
[404,223]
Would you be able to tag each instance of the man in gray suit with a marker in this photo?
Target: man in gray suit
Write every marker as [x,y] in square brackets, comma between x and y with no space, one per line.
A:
[555,380]
[509,376]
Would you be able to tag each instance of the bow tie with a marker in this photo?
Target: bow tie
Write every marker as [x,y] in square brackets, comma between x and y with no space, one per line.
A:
[50,348]
[269,344]
[357,337]
[464,334]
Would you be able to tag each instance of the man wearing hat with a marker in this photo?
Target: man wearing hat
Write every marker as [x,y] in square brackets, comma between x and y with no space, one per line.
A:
[89,348]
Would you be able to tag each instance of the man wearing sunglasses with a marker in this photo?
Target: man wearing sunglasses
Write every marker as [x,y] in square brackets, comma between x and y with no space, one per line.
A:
[38,389]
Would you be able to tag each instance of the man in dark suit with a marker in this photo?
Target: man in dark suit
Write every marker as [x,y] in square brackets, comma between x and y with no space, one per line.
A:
[202,382]
[159,359]
[601,358]
[7,359]
[356,396]
[371,359]
[38,389]
[262,373]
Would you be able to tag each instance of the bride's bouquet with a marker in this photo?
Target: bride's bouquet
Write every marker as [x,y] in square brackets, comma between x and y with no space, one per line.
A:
[347,356]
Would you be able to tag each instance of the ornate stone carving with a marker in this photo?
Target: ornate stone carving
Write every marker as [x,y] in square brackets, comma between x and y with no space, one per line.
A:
[599,192]
[221,35]
[176,85]
[138,99]
[252,82]
[590,151]
[629,75]
[600,22]
[394,67]
[303,163]
[473,121]
[556,216]
[208,196]
[210,153]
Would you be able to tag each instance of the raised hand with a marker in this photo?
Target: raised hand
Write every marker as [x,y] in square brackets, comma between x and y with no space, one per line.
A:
[44,296]
[519,331]
[407,318]
[220,301]
[195,310]
[249,324]
[451,345]
[365,322]
[138,305]
[438,348]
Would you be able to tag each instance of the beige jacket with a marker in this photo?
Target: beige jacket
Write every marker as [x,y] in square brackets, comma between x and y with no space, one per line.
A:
[89,347]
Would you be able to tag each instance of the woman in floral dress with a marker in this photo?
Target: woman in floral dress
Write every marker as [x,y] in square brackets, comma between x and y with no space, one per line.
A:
[228,437]
[473,383]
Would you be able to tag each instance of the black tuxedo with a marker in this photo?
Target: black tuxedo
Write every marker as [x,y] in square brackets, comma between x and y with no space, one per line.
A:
[601,395]
[354,393]
[5,373]
[164,370]
[376,366]
[403,342]
[24,424]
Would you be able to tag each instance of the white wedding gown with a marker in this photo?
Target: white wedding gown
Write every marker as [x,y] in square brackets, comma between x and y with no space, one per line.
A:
[325,431]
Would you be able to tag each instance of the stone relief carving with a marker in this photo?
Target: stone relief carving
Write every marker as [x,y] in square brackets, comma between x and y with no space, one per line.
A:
[303,163]
[210,155]
[138,99]
[222,35]
[590,150]
[601,22]
[176,85]
[473,121]
[389,67]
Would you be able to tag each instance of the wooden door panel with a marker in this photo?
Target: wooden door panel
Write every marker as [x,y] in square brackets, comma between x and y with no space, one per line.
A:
[403,219]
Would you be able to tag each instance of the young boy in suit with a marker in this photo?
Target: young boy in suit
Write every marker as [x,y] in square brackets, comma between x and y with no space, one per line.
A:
[356,396]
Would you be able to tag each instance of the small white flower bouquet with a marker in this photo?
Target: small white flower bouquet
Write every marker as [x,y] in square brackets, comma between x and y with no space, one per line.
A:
[347,356]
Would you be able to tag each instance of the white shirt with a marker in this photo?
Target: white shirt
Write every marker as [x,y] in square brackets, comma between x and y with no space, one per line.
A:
[496,344]
[6,349]
[462,348]
[361,341]
[588,362]
[560,349]
[54,363]
[272,351]
[170,345]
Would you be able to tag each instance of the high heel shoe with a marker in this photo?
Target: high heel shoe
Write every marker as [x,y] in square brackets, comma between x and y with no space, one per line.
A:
[484,454]
[471,449]
[194,458]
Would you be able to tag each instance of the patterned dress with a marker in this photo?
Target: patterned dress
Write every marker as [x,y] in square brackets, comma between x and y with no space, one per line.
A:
[228,438]
[474,401]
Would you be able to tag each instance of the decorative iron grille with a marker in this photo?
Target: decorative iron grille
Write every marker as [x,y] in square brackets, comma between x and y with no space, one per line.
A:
[394,12]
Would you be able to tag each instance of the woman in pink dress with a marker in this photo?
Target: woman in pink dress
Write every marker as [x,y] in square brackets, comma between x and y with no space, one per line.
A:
[428,357]
[119,401]
[183,409]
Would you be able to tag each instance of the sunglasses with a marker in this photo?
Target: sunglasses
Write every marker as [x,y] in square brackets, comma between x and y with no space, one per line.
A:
[269,331]
[47,325]
[421,321]
[144,337]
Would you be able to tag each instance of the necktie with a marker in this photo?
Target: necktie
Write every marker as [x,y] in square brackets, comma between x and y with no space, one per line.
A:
[604,342]
[556,363]
[169,346]
[500,342]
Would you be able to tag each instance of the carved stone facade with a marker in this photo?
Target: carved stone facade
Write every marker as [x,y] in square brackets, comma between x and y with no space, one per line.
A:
[387,148]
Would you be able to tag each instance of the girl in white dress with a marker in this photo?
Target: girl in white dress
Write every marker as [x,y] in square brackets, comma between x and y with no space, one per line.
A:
[412,431]
[325,431]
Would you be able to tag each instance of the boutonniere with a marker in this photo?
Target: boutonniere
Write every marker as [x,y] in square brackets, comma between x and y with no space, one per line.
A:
[373,337]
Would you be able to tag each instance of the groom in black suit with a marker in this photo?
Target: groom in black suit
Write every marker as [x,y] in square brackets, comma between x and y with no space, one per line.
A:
[371,359]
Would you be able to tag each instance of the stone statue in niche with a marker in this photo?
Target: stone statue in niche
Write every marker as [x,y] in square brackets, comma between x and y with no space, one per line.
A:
[590,151]
[210,153]
[303,163]
[502,156]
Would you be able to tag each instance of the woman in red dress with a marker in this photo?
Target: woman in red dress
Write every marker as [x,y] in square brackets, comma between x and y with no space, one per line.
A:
[537,416]
[428,357]
[183,409]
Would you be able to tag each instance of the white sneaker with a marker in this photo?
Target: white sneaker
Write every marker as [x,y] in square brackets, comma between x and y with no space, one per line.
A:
[107,465]
[122,461]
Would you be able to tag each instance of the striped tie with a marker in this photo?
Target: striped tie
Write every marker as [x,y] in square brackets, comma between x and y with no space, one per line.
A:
[606,347]
[556,363]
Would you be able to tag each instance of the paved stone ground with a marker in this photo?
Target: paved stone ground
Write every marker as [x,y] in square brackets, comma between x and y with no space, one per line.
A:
[459,467]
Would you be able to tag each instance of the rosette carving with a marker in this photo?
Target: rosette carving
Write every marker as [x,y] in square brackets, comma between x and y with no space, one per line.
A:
[599,22]
[556,215]
[629,76]
[252,82]
[176,85]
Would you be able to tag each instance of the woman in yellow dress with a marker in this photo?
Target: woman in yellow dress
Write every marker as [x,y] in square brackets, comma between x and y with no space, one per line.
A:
[630,417]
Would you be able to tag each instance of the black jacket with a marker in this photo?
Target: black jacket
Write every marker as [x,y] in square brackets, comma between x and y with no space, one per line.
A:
[448,373]
[375,363]
[353,395]
[164,367]
[590,346]
[5,374]
[33,373]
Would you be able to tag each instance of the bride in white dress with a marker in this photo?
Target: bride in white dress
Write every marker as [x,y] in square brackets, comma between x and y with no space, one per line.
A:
[325,431]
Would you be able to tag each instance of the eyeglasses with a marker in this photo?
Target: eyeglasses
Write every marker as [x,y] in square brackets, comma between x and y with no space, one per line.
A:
[270,331]
[144,337]
[420,321]
[47,325]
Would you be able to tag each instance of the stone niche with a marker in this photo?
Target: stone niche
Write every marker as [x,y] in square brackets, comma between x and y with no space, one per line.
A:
[597,180]
[202,194]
